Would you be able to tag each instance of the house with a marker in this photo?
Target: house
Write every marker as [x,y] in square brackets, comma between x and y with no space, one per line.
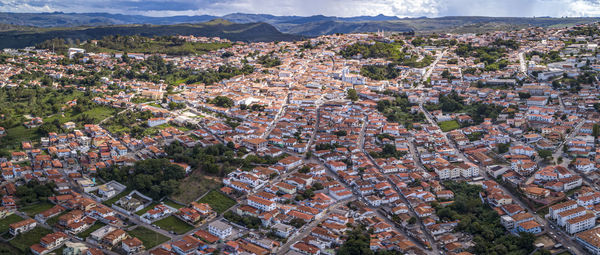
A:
[49,242]
[531,227]
[21,226]
[584,165]
[261,203]
[152,122]
[114,237]
[220,229]
[283,230]
[255,144]
[132,245]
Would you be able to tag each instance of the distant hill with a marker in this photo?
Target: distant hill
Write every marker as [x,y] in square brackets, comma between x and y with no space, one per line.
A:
[250,32]
[300,25]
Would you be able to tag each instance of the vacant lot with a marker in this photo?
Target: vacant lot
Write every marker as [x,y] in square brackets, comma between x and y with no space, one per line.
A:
[93,228]
[172,204]
[24,241]
[193,186]
[148,237]
[172,223]
[448,125]
[34,209]
[218,201]
[10,219]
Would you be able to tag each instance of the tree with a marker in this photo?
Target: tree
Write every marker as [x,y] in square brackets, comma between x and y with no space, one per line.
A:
[503,147]
[352,94]
[412,220]
[596,131]
[222,101]
[524,95]
[545,154]
[297,222]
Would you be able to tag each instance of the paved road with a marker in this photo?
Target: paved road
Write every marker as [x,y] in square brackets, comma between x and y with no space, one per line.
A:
[431,68]
[522,64]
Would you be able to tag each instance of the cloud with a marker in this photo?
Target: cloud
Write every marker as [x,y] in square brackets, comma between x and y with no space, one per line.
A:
[345,8]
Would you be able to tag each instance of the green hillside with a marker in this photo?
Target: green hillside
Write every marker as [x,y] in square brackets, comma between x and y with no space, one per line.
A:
[251,32]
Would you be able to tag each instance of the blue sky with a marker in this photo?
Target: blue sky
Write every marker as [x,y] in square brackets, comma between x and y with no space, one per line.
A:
[400,8]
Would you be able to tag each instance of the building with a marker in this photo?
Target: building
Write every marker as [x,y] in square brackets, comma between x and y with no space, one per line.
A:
[132,245]
[529,226]
[558,208]
[220,229]
[580,223]
[152,122]
[22,226]
[590,239]
[261,203]
[255,144]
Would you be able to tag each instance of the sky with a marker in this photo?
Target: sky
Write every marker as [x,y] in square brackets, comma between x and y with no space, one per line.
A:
[341,8]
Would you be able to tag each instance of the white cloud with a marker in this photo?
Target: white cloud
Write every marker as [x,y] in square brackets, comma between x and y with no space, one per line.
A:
[401,8]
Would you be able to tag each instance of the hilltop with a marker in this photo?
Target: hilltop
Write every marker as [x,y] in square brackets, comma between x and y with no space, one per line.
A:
[250,32]
[301,25]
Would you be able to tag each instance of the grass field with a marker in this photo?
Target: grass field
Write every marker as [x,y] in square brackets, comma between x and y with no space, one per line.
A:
[147,208]
[34,209]
[6,249]
[448,125]
[10,219]
[25,240]
[172,223]
[93,228]
[150,238]
[97,113]
[218,201]
[172,204]
[193,186]
[16,135]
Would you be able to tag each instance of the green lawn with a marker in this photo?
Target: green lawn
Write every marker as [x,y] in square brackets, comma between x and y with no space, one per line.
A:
[6,249]
[172,204]
[150,238]
[172,223]
[448,125]
[24,241]
[147,208]
[34,209]
[93,228]
[218,201]
[97,114]
[10,219]
[14,137]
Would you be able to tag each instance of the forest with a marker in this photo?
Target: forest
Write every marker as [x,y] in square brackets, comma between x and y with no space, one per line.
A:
[478,111]
[155,178]
[170,45]
[390,51]
[398,110]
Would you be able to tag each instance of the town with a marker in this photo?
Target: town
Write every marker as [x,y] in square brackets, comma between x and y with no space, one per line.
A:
[374,143]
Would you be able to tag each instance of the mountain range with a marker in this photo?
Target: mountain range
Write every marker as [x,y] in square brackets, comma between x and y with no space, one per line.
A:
[19,30]
[300,25]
